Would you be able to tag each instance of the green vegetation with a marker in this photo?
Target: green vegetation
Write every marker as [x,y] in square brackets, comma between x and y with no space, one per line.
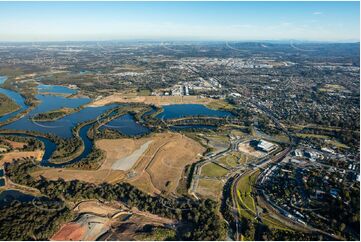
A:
[220,104]
[332,88]
[213,170]
[31,144]
[318,136]
[234,159]
[24,221]
[7,105]
[252,229]
[229,160]
[245,189]
[91,161]
[210,188]
[322,139]
[54,115]
[157,234]
[144,92]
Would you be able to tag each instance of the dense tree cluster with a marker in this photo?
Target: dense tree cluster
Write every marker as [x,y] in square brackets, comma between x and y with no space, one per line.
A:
[24,221]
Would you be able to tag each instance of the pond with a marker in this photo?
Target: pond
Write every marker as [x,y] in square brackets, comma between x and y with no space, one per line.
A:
[126,125]
[42,88]
[189,110]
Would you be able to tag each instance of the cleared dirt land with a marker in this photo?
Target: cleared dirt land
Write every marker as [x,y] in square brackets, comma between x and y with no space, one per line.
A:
[14,144]
[156,100]
[110,221]
[9,157]
[86,227]
[160,169]
[246,148]
[99,208]
[154,164]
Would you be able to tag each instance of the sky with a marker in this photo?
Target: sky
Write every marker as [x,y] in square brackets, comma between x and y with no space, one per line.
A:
[225,21]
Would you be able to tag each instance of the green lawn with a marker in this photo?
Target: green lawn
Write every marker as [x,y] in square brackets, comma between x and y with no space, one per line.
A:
[210,189]
[220,104]
[317,136]
[244,189]
[213,170]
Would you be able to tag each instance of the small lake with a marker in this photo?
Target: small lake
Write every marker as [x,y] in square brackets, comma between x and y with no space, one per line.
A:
[190,127]
[55,89]
[189,110]
[126,125]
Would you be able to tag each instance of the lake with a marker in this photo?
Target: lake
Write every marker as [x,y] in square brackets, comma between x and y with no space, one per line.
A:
[126,125]
[188,110]
[42,88]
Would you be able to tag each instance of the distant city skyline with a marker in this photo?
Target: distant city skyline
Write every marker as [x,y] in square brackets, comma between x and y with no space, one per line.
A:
[194,21]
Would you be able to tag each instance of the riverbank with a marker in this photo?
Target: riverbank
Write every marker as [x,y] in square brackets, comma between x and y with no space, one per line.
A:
[7,105]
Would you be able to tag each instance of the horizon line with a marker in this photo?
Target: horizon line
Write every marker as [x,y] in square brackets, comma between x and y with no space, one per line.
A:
[186,40]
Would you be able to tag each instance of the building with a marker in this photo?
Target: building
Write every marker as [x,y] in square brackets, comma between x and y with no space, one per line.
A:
[297,153]
[266,146]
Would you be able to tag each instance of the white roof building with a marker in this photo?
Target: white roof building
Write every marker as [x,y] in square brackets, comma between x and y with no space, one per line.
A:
[266,146]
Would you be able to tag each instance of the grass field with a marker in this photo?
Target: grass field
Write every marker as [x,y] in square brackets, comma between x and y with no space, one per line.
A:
[144,92]
[229,160]
[7,105]
[244,190]
[220,104]
[247,205]
[332,88]
[213,170]
[234,159]
[317,136]
[210,189]
[282,138]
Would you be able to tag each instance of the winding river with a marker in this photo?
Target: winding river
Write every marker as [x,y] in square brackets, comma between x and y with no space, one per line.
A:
[49,99]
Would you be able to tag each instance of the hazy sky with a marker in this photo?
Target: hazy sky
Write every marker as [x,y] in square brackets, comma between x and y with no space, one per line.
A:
[36,21]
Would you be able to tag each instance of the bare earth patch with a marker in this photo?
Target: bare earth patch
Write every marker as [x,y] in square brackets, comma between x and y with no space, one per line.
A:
[154,164]
[156,100]
[86,227]
[15,145]
[97,176]
[164,162]
[13,155]
[93,206]
[249,150]
[70,231]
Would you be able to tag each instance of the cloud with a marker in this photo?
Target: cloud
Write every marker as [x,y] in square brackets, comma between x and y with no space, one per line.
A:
[317,13]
